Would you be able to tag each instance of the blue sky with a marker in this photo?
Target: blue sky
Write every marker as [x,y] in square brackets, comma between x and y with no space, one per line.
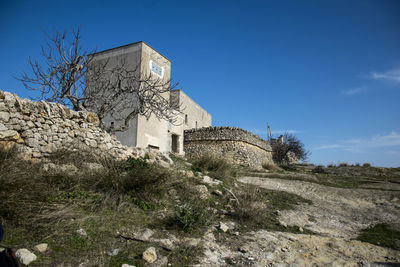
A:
[327,71]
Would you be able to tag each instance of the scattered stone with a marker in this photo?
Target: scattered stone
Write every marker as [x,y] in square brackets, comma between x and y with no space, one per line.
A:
[163,164]
[189,174]
[301,229]
[41,247]
[217,192]
[165,157]
[210,181]
[114,252]
[127,265]
[165,243]
[283,224]
[93,166]
[209,236]
[144,235]
[188,164]
[150,255]
[160,262]
[81,232]
[223,227]
[25,256]
[202,190]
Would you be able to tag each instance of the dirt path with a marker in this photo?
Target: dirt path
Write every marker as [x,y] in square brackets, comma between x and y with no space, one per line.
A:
[335,212]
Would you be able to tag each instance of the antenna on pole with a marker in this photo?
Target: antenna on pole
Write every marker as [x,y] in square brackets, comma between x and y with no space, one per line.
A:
[269,132]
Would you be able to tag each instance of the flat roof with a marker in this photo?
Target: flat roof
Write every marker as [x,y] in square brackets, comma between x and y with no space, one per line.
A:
[128,45]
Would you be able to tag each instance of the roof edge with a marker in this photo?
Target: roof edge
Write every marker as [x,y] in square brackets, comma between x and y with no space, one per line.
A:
[127,45]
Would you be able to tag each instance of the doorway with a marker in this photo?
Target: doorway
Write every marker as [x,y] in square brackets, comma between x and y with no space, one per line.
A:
[175,143]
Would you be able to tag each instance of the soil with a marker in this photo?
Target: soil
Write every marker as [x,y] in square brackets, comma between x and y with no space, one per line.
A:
[336,217]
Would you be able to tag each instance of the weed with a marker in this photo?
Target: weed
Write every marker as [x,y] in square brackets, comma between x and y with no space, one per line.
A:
[143,183]
[256,207]
[184,255]
[218,168]
[381,235]
[191,215]
[319,169]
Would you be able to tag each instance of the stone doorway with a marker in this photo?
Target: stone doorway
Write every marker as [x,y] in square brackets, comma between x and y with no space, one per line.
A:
[175,143]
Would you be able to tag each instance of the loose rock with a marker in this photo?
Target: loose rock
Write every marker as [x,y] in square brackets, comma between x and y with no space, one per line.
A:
[25,256]
[150,255]
[223,227]
[41,247]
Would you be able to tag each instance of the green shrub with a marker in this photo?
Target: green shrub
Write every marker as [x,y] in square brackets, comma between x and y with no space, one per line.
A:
[381,235]
[191,215]
[343,164]
[319,169]
[143,183]
[367,164]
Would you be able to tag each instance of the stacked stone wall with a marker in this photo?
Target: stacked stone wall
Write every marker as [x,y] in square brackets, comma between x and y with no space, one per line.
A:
[234,144]
[41,128]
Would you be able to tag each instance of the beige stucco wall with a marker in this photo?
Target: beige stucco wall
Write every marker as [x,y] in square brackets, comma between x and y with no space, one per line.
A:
[154,131]
[130,56]
[194,112]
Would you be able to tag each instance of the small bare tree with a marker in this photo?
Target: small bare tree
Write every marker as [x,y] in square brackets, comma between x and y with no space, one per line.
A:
[286,145]
[70,76]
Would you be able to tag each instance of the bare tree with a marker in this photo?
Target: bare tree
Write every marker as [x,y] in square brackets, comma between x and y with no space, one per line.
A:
[61,77]
[69,76]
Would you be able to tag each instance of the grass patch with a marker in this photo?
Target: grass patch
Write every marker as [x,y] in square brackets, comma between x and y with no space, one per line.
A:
[217,168]
[256,208]
[381,235]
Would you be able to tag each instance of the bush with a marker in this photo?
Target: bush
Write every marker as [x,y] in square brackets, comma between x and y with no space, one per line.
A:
[319,169]
[290,145]
[218,168]
[343,164]
[191,215]
[367,164]
[143,183]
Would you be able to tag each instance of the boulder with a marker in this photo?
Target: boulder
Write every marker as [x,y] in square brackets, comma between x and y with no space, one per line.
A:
[25,256]
[150,255]
[202,190]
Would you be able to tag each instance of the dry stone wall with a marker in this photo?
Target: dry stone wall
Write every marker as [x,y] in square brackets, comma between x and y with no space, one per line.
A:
[236,145]
[41,128]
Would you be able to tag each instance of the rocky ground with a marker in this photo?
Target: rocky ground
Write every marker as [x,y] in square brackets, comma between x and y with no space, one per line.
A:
[336,216]
[80,210]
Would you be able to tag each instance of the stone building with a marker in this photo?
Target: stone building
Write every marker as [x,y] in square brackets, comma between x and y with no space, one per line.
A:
[151,132]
